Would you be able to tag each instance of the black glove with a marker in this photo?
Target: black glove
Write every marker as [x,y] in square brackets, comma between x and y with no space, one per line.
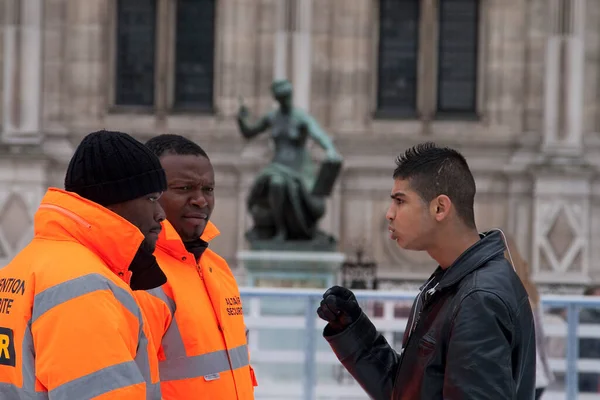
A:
[340,308]
[145,272]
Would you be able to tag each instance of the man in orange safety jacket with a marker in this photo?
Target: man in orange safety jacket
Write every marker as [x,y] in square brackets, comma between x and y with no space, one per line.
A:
[70,327]
[203,352]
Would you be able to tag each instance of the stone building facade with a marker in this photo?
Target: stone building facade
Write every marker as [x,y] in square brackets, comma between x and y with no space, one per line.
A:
[513,84]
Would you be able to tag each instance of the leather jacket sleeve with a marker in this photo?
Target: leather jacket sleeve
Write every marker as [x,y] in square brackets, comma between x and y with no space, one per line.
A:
[478,363]
[367,356]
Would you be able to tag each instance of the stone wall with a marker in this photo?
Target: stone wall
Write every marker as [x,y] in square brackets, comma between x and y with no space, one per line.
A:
[330,52]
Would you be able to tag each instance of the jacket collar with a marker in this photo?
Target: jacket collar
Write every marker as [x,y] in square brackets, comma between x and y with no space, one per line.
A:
[170,241]
[490,245]
[67,216]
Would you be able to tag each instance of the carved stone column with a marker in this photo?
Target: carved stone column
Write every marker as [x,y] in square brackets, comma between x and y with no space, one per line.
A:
[565,59]
[562,179]
[293,47]
[22,71]
[302,50]
[280,64]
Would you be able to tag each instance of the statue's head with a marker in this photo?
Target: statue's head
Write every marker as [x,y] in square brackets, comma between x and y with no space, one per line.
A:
[282,92]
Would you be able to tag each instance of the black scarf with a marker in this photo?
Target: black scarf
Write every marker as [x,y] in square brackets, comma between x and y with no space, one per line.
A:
[196,247]
[145,272]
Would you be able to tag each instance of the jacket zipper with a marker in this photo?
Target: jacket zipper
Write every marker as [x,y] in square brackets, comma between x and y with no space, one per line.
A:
[418,307]
[429,293]
[424,300]
[199,269]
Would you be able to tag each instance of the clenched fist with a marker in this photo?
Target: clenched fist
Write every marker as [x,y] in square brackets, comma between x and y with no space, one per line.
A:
[340,308]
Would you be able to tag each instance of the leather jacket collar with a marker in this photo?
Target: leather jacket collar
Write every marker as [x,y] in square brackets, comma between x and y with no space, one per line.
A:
[491,245]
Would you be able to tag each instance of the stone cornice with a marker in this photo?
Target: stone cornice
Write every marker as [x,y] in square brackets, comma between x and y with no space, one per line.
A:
[21,151]
[562,167]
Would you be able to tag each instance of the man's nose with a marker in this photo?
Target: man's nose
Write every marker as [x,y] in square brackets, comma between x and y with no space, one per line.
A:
[159,213]
[199,200]
[389,215]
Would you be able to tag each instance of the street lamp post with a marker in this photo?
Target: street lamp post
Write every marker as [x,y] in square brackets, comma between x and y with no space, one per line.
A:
[359,274]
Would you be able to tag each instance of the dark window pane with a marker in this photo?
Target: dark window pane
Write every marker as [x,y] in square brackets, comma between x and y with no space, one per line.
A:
[136,39]
[194,53]
[398,55]
[457,58]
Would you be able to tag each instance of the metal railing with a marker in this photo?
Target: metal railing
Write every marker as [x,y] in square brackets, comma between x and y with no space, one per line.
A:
[293,361]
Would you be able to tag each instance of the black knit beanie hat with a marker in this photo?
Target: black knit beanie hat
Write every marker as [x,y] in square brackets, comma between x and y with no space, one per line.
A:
[112,167]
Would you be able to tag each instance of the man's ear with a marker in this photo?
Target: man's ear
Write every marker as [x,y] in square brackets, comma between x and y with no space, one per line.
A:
[440,207]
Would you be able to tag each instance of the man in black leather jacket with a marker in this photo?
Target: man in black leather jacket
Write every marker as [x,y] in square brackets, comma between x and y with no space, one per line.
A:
[470,334]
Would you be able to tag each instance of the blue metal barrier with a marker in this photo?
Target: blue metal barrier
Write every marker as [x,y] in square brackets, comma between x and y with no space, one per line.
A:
[572,304]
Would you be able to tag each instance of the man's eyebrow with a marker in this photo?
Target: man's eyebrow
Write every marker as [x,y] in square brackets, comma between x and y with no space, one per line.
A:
[397,194]
[191,181]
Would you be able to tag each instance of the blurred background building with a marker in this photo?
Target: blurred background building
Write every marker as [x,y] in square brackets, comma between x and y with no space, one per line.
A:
[513,84]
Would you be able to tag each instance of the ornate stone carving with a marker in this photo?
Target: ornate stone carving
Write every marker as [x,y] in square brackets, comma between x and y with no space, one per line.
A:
[15,223]
[561,237]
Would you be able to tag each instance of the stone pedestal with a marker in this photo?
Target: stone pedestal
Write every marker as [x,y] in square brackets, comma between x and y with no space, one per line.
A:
[298,269]
[284,269]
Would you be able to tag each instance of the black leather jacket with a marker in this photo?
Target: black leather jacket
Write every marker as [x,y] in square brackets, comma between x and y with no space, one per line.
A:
[473,336]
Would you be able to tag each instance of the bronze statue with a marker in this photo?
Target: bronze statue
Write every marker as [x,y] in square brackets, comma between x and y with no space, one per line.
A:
[288,197]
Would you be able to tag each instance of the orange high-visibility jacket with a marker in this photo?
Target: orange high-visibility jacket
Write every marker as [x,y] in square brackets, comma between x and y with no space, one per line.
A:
[70,327]
[203,352]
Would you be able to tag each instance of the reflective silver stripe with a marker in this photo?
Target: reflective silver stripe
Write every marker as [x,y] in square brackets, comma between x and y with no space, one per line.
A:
[238,357]
[153,391]
[172,341]
[120,375]
[106,379]
[160,293]
[28,360]
[77,287]
[99,382]
[11,392]
[143,363]
[203,365]
[177,365]
[27,392]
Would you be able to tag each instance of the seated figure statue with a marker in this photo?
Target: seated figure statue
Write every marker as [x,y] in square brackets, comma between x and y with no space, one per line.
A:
[284,203]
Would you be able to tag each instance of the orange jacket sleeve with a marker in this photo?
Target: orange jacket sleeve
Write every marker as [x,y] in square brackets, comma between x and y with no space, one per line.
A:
[158,315]
[88,343]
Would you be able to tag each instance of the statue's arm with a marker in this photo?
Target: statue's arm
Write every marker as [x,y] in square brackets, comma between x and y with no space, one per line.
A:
[319,135]
[248,129]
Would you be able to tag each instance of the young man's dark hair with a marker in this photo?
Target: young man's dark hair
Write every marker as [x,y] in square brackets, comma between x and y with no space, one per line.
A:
[174,144]
[433,170]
